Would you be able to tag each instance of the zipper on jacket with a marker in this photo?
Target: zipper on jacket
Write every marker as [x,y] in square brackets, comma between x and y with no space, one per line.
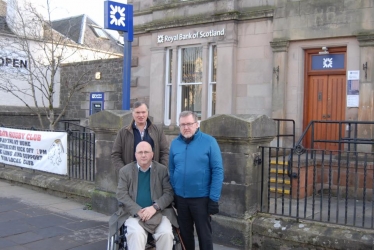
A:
[184,175]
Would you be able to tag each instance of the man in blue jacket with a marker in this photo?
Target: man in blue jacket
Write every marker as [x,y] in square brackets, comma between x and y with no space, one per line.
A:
[196,175]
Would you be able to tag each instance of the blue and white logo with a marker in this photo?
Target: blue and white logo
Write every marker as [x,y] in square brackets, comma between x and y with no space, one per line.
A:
[327,62]
[119,16]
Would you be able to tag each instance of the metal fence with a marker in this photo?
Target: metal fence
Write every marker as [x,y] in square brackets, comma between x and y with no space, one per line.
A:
[326,186]
[80,151]
[333,186]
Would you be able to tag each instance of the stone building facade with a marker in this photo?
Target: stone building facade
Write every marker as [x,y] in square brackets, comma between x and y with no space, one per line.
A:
[281,58]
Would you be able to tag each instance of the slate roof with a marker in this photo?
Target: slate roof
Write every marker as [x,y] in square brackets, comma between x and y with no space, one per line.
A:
[79,29]
[3,25]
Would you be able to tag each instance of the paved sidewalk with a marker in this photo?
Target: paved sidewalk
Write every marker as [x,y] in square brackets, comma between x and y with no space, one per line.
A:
[31,220]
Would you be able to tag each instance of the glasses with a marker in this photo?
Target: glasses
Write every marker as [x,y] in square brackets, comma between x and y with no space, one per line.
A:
[186,125]
[143,152]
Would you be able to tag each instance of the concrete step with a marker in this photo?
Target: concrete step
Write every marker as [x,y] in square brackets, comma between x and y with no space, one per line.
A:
[280,190]
[280,180]
[280,163]
[279,171]
[279,177]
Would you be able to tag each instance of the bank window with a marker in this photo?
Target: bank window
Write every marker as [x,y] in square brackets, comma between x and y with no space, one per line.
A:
[212,80]
[190,74]
[168,88]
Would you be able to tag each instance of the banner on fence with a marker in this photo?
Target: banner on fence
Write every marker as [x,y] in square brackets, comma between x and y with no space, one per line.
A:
[39,150]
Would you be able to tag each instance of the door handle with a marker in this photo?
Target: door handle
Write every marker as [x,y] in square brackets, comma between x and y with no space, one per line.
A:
[328,116]
[323,116]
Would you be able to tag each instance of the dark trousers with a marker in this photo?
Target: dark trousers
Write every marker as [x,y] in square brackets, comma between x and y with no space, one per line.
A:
[194,211]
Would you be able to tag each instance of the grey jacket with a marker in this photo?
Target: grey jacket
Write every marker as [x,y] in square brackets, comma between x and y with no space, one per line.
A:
[161,193]
[123,147]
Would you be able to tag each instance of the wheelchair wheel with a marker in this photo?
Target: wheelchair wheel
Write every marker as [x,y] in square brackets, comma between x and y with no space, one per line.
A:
[117,241]
[112,245]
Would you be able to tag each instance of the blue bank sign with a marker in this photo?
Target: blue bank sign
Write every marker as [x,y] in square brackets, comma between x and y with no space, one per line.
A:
[327,62]
[119,16]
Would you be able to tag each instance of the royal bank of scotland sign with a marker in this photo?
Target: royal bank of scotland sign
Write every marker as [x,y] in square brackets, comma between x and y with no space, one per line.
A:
[119,16]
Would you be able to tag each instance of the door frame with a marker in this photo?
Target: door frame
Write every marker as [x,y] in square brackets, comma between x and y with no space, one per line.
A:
[309,72]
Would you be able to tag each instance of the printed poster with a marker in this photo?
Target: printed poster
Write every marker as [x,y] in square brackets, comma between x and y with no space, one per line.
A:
[353,92]
[39,150]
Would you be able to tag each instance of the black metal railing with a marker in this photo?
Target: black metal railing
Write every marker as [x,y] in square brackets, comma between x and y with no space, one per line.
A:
[333,187]
[284,122]
[80,149]
[351,139]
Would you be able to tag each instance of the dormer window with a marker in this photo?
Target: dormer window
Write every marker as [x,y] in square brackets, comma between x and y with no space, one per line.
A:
[99,32]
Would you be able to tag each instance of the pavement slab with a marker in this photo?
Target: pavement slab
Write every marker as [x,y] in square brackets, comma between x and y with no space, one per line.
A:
[32,220]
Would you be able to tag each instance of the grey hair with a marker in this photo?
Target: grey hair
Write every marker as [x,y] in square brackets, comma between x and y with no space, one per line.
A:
[187,113]
[137,104]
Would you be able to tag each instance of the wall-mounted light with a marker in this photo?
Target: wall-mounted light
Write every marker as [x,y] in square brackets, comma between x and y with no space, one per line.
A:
[98,75]
[324,51]
[365,67]
[276,72]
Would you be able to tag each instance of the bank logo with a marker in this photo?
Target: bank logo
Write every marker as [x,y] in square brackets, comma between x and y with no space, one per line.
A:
[160,39]
[327,62]
[117,15]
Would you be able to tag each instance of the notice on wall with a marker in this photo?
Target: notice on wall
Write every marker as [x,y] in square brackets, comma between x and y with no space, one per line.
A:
[39,150]
[353,75]
[353,92]
[353,88]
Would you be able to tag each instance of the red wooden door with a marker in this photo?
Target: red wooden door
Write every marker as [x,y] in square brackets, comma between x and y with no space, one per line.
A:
[326,95]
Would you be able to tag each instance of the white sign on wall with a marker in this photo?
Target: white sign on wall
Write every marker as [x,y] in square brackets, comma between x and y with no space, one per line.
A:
[353,88]
[39,150]
[186,36]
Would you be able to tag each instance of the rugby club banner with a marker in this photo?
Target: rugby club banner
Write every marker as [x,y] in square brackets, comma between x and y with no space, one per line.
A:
[39,150]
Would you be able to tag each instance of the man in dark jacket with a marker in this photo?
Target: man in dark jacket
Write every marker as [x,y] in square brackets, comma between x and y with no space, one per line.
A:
[196,174]
[141,129]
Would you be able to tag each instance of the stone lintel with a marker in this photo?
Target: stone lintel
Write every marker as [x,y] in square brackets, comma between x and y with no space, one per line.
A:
[366,40]
[249,14]
[280,45]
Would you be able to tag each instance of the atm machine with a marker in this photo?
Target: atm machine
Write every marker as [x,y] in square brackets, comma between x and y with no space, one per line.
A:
[96,102]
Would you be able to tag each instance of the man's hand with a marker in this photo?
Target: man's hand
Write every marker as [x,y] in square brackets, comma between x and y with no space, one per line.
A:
[213,207]
[146,213]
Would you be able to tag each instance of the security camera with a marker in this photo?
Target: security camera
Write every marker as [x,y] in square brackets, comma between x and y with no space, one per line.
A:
[324,48]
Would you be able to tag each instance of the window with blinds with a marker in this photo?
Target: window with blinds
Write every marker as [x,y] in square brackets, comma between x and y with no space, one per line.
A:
[189,85]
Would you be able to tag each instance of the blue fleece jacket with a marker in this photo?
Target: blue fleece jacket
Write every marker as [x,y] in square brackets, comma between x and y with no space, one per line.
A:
[196,168]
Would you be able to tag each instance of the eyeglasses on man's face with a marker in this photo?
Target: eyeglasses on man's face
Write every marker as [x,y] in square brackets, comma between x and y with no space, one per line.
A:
[186,125]
[143,152]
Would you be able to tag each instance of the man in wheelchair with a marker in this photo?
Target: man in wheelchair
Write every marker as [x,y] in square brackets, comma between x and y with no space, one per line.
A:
[145,195]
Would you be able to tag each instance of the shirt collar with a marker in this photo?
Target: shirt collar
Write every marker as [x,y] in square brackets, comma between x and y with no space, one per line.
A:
[139,168]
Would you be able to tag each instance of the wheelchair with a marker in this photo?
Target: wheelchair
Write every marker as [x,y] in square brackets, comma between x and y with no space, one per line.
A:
[118,241]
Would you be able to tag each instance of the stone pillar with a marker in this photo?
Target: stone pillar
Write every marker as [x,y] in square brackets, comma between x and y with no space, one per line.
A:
[205,82]
[106,124]
[174,88]
[226,71]
[279,88]
[366,109]
[157,85]
[239,137]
